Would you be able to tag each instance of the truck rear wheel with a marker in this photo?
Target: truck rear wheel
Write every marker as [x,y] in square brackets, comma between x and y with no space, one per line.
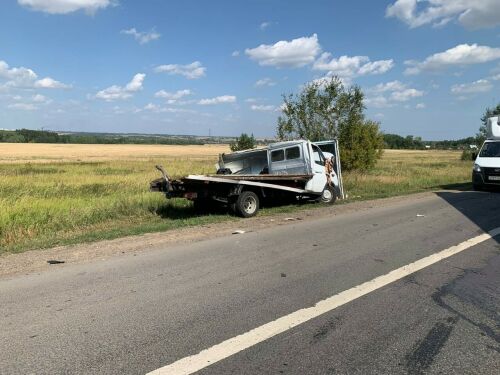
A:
[247,204]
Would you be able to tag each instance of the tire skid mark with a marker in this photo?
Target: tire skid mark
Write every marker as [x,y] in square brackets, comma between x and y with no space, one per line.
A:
[422,356]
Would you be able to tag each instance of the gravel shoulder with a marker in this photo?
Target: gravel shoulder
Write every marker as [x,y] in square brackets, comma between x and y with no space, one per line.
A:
[36,261]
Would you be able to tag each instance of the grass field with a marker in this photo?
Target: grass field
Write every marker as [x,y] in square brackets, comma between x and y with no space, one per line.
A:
[61,194]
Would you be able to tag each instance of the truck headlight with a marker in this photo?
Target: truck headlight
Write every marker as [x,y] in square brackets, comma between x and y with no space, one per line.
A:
[476,168]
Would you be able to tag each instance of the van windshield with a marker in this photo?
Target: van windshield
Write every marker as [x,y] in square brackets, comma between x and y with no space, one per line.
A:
[490,150]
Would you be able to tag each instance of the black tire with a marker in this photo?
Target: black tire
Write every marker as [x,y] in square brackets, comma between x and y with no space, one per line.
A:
[477,187]
[328,196]
[247,204]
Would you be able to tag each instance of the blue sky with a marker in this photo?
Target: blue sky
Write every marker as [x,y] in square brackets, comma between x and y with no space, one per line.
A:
[428,68]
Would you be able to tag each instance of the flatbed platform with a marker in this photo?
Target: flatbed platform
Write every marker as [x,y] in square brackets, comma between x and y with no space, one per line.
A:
[264,177]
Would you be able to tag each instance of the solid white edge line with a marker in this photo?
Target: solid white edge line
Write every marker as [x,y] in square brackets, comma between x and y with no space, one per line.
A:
[225,349]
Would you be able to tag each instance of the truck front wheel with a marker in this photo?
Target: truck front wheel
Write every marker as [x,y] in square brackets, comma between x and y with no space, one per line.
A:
[247,204]
[328,196]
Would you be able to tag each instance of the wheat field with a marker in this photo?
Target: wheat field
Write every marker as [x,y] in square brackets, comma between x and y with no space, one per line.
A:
[61,194]
[43,153]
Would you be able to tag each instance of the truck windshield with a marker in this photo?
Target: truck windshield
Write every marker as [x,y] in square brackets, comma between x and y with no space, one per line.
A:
[490,150]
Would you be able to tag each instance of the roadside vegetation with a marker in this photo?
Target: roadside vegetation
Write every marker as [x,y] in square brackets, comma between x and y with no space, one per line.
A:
[243,142]
[327,109]
[46,202]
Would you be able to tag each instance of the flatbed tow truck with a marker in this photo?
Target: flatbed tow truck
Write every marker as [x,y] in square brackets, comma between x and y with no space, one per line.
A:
[281,172]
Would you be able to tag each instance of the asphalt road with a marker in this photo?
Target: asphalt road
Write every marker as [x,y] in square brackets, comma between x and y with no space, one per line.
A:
[134,314]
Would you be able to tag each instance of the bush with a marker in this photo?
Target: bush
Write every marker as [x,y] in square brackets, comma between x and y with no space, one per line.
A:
[244,142]
[326,110]
[361,145]
[469,155]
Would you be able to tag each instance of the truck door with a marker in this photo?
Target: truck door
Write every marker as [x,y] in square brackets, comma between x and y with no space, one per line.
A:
[332,147]
[319,180]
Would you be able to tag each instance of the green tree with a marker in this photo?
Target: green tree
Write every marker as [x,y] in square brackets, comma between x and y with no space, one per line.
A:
[489,112]
[243,142]
[326,110]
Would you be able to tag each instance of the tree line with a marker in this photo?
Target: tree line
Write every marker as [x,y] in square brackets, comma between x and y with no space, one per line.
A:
[394,141]
[44,136]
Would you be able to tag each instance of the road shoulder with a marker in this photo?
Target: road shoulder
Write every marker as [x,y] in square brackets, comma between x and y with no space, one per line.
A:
[37,260]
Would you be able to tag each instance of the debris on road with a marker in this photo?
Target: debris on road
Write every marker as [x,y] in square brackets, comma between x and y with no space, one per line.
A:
[52,261]
[420,215]
[239,231]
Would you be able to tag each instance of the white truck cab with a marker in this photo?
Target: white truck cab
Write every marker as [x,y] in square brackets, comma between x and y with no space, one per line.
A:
[486,170]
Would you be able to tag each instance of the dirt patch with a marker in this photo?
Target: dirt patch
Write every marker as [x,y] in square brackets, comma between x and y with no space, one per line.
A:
[36,260]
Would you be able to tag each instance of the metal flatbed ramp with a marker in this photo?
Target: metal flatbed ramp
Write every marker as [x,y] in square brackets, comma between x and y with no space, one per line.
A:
[226,180]
[266,177]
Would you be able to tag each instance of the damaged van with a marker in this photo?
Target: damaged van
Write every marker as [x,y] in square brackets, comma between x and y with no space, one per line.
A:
[246,180]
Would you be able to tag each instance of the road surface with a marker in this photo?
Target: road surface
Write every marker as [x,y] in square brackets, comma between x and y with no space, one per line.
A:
[136,314]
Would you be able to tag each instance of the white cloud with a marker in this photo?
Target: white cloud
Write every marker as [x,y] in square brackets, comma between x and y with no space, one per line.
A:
[172,95]
[378,101]
[295,53]
[41,99]
[472,14]
[251,100]
[26,78]
[388,94]
[21,74]
[479,86]
[23,106]
[461,55]
[265,82]
[420,106]
[218,100]
[194,70]
[264,25]
[263,108]
[389,86]
[49,83]
[235,53]
[405,95]
[376,67]
[66,6]
[159,109]
[119,93]
[136,83]
[347,66]
[142,37]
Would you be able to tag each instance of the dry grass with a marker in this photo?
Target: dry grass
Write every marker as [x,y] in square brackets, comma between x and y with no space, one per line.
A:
[43,153]
[56,194]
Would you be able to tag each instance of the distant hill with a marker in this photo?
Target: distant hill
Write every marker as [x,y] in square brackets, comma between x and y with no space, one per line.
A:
[46,136]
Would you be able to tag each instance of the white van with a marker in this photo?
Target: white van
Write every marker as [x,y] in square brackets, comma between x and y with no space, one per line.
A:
[486,170]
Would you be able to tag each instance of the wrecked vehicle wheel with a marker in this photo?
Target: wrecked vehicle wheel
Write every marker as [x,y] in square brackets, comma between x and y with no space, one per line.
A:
[328,196]
[247,204]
